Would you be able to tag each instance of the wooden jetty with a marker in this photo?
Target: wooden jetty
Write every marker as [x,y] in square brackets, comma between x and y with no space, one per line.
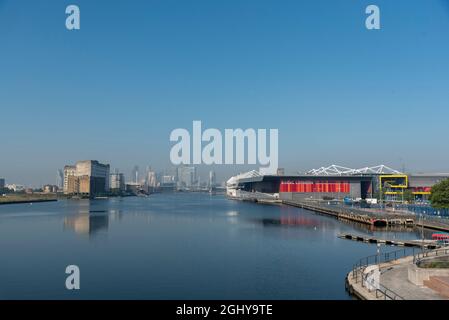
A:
[427,244]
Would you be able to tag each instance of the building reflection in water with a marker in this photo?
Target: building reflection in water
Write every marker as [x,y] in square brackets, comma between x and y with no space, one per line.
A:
[87,223]
[290,221]
[389,232]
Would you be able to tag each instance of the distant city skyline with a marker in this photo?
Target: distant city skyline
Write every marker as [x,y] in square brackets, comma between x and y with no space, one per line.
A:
[114,90]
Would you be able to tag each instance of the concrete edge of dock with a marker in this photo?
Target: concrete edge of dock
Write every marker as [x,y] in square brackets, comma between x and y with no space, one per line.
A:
[365,219]
[356,290]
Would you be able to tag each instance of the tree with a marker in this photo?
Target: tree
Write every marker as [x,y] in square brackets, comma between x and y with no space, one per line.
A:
[439,196]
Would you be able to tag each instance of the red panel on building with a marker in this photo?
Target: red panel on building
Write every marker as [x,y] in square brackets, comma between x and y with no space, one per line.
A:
[421,189]
[315,187]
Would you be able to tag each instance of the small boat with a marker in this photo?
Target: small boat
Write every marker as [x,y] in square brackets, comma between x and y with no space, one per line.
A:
[441,237]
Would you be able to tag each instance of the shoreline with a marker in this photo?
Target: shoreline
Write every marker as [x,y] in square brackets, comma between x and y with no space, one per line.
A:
[28,201]
[22,201]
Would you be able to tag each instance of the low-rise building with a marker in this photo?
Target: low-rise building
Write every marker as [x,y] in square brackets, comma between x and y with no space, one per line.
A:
[15,187]
[50,188]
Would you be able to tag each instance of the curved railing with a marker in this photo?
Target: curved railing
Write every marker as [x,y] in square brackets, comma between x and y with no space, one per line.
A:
[381,291]
[385,257]
[358,269]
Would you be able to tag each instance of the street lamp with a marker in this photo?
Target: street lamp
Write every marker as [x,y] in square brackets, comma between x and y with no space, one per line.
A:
[422,230]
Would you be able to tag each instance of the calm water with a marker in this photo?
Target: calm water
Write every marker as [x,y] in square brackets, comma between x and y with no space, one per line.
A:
[176,246]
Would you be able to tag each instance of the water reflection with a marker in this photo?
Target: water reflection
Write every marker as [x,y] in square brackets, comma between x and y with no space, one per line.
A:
[232,213]
[87,223]
[299,220]
[371,229]
[90,217]
[178,246]
[290,221]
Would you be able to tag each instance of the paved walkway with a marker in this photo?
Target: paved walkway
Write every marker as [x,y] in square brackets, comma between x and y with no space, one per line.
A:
[396,278]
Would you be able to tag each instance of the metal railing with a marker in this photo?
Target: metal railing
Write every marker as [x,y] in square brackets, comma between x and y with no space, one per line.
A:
[388,294]
[331,206]
[246,195]
[382,258]
[380,291]
[430,253]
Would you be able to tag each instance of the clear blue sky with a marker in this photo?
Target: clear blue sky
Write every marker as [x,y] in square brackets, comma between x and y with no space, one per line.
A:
[136,70]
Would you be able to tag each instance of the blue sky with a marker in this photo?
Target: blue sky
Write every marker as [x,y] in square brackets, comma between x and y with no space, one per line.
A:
[114,90]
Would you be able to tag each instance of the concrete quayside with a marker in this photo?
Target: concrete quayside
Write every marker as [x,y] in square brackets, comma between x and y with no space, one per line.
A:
[399,275]
[378,219]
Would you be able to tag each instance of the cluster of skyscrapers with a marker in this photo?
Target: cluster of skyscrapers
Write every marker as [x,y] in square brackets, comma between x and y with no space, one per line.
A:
[188,179]
[92,178]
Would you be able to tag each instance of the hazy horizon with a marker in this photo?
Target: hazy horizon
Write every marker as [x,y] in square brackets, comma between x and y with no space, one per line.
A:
[114,90]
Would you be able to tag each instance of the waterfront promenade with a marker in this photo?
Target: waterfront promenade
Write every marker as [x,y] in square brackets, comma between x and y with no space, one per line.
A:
[396,279]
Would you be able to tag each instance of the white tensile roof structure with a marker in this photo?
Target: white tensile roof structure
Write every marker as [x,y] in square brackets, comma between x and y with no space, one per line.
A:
[246,175]
[335,170]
